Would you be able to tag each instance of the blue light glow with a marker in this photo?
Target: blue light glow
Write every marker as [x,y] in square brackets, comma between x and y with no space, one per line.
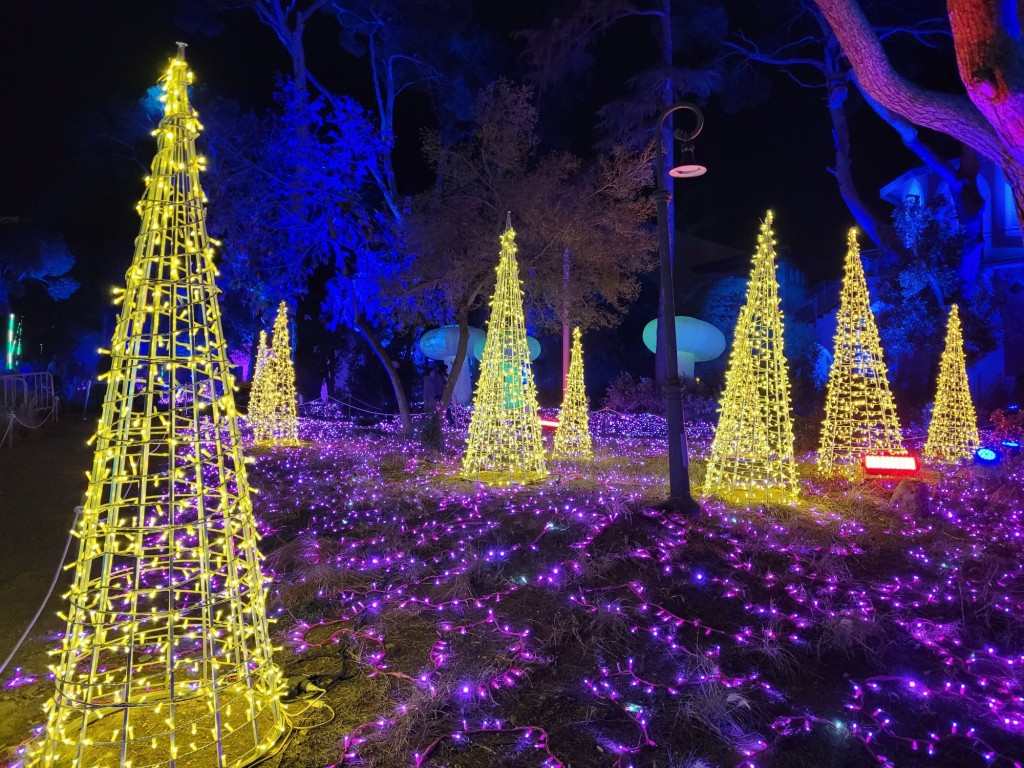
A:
[986,456]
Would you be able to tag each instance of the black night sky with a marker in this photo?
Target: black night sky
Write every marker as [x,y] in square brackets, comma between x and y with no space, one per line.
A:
[68,64]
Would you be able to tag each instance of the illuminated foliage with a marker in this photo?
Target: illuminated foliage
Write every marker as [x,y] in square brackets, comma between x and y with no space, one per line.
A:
[953,432]
[276,417]
[860,413]
[505,444]
[572,438]
[752,453]
[167,656]
[257,394]
[30,256]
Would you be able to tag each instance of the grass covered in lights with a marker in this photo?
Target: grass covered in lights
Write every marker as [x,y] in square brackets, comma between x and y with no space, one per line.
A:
[569,623]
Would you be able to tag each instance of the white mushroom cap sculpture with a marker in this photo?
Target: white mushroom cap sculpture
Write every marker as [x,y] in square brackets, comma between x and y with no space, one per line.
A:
[696,342]
[442,344]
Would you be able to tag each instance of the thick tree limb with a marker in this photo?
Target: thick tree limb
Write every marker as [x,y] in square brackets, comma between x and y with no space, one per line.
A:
[946,113]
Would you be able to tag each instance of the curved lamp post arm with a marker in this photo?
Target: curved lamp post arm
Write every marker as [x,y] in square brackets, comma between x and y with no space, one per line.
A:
[659,158]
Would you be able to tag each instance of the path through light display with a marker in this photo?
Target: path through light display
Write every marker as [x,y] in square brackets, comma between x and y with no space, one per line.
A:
[860,413]
[572,437]
[752,453]
[166,660]
[953,432]
[505,444]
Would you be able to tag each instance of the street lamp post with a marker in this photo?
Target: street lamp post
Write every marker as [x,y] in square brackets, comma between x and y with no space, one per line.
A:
[680,498]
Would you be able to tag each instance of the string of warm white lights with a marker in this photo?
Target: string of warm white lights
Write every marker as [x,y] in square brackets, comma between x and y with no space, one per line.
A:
[860,413]
[166,660]
[257,411]
[277,418]
[752,454]
[953,432]
[505,444]
[572,437]
[463,601]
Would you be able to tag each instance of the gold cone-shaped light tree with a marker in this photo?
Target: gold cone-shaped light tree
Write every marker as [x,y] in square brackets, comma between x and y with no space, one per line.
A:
[505,444]
[277,417]
[166,660]
[752,453]
[572,437]
[953,432]
[258,391]
[860,413]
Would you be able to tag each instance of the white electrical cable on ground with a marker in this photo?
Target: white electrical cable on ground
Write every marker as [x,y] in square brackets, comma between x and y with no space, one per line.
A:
[49,592]
[10,426]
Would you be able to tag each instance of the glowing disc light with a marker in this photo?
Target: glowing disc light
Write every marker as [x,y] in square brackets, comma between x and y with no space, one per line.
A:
[986,456]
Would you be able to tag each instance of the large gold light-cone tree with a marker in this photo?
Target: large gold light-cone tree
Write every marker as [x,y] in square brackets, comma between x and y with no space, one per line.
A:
[166,660]
[860,413]
[277,417]
[505,444]
[572,437]
[953,432]
[752,452]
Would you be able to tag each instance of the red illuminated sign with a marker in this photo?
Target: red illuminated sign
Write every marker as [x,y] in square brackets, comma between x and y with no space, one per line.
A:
[884,464]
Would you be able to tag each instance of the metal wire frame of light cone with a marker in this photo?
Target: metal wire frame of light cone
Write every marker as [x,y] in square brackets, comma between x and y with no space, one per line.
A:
[257,409]
[752,456]
[166,660]
[505,444]
[276,419]
[953,430]
[572,437]
[860,412]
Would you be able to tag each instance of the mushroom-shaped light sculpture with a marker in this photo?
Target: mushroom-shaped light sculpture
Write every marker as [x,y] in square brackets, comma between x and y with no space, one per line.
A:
[531,343]
[442,344]
[696,342]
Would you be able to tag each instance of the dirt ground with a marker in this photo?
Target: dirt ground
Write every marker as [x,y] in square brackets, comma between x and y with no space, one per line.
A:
[42,478]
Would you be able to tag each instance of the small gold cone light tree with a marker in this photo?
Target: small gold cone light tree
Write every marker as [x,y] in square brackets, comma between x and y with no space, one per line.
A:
[860,413]
[572,437]
[752,453]
[166,660]
[277,418]
[505,444]
[258,391]
[953,432]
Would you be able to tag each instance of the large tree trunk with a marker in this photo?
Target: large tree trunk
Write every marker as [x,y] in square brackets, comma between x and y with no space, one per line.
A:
[1015,175]
[385,359]
[987,39]
[462,320]
[970,206]
[990,57]
[877,229]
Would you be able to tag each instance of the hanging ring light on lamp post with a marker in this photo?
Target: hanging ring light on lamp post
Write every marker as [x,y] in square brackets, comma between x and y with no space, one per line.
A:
[680,497]
[688,168]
